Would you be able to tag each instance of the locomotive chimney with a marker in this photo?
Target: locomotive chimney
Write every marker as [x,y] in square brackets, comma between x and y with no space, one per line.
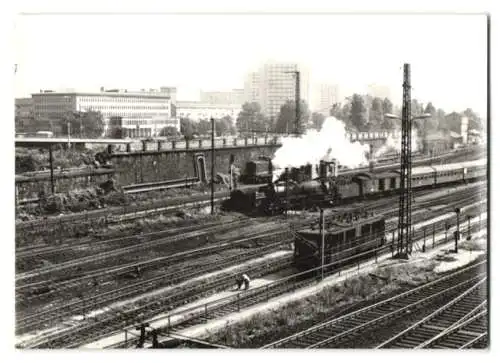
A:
[231,172]
[333,172]
[322,169]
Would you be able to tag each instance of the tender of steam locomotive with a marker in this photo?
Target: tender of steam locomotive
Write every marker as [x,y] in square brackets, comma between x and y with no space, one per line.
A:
[258,171]
[346,235]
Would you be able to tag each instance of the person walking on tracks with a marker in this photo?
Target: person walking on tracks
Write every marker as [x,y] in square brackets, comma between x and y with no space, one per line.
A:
[242,279]
[239,281]
[246,280]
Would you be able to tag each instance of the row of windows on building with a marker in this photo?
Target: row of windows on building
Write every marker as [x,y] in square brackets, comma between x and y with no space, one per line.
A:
[66,100]
[132,122]
[206,115]
[122,100]
[108,107]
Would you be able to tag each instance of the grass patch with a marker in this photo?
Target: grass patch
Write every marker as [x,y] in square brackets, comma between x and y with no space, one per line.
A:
[340,298]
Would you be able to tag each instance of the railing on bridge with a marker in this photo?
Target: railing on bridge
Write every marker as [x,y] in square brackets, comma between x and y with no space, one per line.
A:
[230,142]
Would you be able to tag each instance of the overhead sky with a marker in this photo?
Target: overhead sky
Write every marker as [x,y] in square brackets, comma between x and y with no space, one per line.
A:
[447,53]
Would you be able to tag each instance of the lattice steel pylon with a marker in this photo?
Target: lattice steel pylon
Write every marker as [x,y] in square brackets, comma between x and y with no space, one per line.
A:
[405,195]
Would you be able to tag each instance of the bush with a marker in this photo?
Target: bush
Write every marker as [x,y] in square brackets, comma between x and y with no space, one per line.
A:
[29,159]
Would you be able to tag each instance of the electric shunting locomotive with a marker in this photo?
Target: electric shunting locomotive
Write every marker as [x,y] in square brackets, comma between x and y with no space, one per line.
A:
[345,235]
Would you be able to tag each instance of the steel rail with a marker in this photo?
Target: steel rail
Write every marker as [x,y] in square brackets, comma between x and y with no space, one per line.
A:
[113,327]
[351,316]
[412,336]
[124,268]
[224,306]
[171,278]
[337,261]
[452,334]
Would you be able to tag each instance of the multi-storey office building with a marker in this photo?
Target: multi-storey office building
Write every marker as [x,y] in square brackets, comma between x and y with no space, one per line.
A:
[143,113]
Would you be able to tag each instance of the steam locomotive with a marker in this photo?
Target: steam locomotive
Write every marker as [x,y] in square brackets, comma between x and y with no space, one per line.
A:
[298,189]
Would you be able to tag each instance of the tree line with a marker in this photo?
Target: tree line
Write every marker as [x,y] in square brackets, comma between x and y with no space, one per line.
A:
[358,112]
[366,113]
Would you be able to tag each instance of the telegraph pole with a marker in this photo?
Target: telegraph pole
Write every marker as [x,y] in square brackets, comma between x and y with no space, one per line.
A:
[51,161]
[322,232]
[405,195]
[69,125]
[212,208]
[297,102]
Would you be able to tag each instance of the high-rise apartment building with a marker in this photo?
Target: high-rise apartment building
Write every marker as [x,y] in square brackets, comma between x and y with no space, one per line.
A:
[274,84]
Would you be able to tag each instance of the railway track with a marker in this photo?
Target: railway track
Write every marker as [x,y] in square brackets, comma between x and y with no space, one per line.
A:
[455,312]
[171,277]
[333,332]
[468,334]
[106,273]
[99,275]
[160,185]
[223,307]
[67,251]
[30,277]
[132,315]
[129,317]
[136,288]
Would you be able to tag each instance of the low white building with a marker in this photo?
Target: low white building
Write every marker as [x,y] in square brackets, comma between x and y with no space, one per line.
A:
[197,111]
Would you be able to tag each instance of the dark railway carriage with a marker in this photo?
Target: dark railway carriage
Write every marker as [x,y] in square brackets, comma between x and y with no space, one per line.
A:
[366,183]
[387,182]
[346,187]
[345,236]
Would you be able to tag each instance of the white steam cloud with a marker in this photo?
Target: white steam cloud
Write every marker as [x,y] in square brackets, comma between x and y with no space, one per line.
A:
[393,143]
[327,144]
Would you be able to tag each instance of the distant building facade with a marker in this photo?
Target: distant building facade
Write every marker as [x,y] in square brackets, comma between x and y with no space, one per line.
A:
[197,111]
[328,95]
[274,84]
[252,87]
[142,113]
[24,107]
[24,115]
[378,90]
[233,97]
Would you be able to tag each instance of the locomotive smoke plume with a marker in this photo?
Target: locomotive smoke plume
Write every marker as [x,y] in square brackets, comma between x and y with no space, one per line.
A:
[328,144]
[393,143]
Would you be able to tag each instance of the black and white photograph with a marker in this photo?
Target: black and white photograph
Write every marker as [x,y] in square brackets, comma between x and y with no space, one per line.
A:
[251,180]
